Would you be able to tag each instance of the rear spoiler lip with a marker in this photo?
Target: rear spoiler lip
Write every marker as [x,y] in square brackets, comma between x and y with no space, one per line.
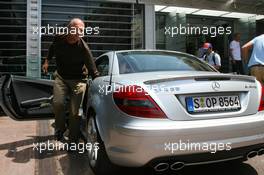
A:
[221,77]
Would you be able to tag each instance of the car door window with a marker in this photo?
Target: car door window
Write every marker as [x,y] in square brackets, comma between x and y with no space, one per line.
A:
[102,65]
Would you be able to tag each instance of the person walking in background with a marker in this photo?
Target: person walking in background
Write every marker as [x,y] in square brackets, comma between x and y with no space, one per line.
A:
[235,53]
[212,57]
[256,61]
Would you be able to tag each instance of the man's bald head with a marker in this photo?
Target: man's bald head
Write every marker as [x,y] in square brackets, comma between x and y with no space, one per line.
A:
[75,22]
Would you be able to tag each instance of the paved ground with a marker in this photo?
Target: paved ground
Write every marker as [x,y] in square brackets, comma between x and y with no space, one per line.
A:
[17,155]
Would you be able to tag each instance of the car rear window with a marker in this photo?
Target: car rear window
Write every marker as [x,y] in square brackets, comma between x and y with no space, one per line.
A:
[147,61]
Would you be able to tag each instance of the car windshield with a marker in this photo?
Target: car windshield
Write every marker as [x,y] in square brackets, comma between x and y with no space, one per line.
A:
[147,61]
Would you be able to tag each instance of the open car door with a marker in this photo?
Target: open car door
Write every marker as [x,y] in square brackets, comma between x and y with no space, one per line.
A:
[23,98]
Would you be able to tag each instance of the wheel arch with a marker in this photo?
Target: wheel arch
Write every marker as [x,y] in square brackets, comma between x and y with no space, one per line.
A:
[92,112]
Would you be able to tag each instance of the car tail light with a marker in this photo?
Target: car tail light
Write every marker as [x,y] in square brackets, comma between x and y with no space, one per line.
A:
[134,101]
[261,106]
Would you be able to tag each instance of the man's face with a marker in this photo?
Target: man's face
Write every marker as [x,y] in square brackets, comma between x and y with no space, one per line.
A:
[77,30]
[80,29]
[238,37]
[209,50]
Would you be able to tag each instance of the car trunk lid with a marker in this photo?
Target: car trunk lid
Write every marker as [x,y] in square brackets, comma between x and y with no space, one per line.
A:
[171,94]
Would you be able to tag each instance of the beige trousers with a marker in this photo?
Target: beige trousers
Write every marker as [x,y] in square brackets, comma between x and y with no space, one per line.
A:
[74,90]
[258,72]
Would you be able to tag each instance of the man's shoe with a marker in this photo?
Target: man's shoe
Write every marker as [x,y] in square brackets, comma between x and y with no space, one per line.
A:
[59,135]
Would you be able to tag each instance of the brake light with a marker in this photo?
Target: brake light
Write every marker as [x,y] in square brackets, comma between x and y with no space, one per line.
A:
[134,101]
[261,106]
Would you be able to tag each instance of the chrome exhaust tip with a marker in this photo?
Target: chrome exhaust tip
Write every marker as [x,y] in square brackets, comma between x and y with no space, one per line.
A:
[177,166]
[161,167]
[252,154]
[261,152]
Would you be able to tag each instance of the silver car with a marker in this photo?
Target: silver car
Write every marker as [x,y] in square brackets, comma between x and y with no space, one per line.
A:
[161,109]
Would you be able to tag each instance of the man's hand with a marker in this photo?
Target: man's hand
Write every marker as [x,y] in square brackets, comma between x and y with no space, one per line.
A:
[45,67]
[234,61]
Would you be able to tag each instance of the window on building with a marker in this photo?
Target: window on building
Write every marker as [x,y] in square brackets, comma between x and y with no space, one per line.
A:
[13,37]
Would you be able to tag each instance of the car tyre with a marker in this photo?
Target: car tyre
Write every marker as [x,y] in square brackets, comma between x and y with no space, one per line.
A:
[100,164]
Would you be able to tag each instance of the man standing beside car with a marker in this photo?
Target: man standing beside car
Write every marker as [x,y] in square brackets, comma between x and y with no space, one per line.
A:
[235,53]
[71,54]
[256,61]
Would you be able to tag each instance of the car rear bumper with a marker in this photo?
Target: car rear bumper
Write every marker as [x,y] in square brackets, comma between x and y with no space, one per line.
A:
[143,142]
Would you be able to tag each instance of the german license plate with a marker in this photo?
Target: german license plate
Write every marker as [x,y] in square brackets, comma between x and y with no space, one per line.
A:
[213,104]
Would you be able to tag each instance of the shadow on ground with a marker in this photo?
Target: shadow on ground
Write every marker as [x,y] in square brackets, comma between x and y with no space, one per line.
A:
[24,150]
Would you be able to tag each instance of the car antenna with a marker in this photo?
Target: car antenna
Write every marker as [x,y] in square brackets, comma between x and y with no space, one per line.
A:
[111,74]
